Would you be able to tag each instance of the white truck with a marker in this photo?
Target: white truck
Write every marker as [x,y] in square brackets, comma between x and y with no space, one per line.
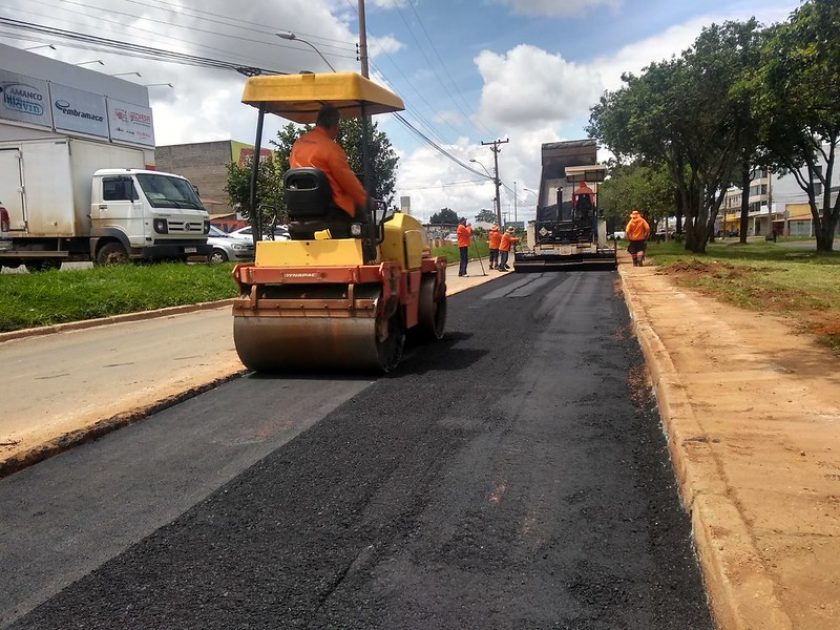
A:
[69,199]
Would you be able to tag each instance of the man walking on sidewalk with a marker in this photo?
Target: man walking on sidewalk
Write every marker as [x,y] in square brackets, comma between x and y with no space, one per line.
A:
[464,233]
[637,232]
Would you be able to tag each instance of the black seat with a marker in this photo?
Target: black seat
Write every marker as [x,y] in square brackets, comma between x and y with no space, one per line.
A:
[310,205]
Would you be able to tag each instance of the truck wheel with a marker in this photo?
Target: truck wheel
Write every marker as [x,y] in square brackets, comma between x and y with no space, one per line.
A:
[217,256]
[46,264]
[111,254]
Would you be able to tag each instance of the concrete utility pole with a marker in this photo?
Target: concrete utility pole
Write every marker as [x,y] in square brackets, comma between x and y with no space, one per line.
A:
[363,51]
[494,147]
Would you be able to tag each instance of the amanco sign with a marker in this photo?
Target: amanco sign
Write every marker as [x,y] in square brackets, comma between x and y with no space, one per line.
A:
[24,99]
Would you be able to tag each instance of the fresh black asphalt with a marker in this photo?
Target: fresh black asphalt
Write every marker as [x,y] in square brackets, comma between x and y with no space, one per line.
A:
[513,476]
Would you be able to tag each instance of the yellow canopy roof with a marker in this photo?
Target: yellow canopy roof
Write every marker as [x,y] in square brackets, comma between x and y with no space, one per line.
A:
[298,97]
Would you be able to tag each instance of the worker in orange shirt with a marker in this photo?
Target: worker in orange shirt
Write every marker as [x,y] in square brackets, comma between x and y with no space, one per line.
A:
[318,149]
[464,233]
[637,232]
[508,239]
[494,237]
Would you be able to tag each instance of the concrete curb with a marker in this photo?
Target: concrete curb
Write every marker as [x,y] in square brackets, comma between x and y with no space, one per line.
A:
[739,587]
[113,319]
[102,427]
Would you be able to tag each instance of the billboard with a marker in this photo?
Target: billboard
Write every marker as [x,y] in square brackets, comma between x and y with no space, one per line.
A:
[79,111]
[24,99]
[130,123]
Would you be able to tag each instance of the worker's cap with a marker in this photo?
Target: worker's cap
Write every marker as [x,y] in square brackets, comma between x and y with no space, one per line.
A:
[635,214]
[494,227]
[510,230]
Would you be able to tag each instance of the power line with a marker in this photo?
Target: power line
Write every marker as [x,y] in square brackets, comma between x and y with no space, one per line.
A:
[171,24]
[452,82]
[227,20]
[149,52]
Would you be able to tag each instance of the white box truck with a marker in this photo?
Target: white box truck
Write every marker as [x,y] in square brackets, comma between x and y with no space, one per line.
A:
[71,199]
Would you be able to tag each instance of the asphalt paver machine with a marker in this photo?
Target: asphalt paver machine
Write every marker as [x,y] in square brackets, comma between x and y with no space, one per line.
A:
[338,296]
[569,231]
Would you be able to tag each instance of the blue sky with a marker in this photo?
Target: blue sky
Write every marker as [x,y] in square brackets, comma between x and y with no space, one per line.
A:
[468,70]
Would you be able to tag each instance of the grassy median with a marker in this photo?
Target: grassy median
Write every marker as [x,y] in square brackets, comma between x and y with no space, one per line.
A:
[477,248]
[790,279]
[53,297]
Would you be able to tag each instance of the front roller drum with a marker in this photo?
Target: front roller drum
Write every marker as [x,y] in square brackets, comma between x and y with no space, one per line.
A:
[319,344]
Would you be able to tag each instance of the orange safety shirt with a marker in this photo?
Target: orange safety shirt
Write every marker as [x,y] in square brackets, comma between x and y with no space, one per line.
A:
[507,241]
[494,237]
[637,229]
[464,234]
[316,149]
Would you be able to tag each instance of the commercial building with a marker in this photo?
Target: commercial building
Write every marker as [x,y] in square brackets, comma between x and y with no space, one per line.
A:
[205,164]
[42,98]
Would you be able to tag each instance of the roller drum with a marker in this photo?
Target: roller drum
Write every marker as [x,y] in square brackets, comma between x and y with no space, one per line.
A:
[314,344]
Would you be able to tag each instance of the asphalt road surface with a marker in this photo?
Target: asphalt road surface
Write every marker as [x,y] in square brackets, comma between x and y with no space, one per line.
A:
[513,476]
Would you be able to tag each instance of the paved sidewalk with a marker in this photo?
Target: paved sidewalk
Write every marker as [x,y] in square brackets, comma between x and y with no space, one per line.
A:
[751,411]
[56,386]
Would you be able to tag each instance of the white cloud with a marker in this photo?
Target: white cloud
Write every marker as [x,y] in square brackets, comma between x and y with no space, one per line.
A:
[529,85]
[555,8]
[384,45]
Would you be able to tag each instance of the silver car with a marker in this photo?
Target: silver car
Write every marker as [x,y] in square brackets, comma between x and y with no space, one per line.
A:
[226,247]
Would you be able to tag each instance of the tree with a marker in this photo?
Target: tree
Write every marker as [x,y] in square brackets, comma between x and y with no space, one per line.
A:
[680,113]
[269,189]
[383,157]
[485,216]
[270,179]
[648,189]
[445,216]
[801,77]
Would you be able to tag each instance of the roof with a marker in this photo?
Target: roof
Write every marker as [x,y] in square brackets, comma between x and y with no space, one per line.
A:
[298,97]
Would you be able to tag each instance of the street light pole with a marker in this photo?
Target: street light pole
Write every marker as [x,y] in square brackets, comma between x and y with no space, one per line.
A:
[292,37]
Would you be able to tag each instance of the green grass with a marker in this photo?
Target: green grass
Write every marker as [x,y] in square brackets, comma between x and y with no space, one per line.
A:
[450,250]
[799,283]
[54,297]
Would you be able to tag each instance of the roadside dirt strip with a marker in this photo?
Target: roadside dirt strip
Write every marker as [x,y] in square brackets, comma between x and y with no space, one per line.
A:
[66,384]
[751,411]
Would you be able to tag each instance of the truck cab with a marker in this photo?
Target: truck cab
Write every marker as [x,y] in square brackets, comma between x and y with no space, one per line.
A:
[137,213]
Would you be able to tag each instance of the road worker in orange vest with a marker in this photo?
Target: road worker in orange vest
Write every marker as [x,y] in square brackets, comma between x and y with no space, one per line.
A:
[464,233]
[508,239]
[494,238]
[637,232]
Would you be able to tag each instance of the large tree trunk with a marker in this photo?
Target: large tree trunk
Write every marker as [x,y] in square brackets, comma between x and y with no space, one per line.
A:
[745,203]
[825,231]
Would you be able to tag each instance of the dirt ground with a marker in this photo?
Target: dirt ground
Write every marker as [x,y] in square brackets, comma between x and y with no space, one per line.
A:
[752,411]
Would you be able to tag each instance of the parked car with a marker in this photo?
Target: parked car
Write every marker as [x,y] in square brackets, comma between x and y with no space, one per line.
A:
[227,247]
[280,233]
[619,235]
[451,238]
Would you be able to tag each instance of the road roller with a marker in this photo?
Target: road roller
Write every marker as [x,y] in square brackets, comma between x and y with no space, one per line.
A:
[344,292]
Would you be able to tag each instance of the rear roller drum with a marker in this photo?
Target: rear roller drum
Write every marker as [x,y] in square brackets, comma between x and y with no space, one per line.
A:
[432,311]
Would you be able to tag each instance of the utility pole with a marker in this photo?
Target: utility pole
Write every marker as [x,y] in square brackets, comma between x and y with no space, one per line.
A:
[363,50]
[494,147]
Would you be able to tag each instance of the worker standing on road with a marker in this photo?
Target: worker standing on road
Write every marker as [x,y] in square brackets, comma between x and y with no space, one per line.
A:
[494,238]
[464,233]
[318,149]
[637,232]
[508,239]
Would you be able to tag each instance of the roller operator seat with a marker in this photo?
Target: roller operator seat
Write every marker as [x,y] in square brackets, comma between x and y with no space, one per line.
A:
[309,202]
